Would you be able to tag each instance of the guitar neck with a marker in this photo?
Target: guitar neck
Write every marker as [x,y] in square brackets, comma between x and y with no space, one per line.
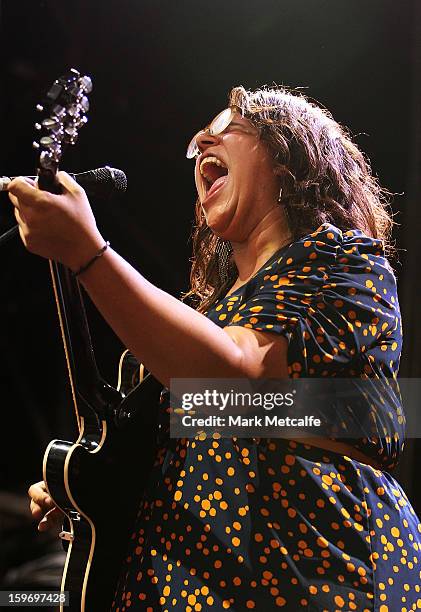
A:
[98,398]
[67,103]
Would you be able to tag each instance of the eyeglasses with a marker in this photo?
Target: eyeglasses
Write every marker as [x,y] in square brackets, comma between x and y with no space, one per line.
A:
[216,126]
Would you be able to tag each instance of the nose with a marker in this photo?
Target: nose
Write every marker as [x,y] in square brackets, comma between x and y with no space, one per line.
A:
[205,140]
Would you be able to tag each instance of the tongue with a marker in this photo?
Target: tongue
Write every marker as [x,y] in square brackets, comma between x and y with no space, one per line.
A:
[218,183]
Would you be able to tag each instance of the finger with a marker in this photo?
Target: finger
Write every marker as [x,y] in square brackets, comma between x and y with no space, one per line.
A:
[39,494]
[43,505]
[14,200]
[20,218]
[68,183]
[36,486]
[24,194]
[21,187]
[36,511]
[52,519]
[22,227]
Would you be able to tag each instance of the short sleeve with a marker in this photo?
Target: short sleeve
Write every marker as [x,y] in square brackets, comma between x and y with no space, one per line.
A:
[332,294]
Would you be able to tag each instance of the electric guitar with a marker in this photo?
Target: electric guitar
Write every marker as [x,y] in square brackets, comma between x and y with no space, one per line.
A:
[96,480]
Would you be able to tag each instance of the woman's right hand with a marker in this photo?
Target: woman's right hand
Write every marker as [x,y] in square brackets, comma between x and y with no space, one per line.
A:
[43,509]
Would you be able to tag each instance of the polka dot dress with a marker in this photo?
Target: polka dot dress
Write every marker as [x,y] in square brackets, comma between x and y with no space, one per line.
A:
[263,524]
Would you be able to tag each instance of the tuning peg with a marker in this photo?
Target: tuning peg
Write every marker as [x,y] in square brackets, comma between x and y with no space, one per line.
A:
[70,130]
[51,124]
[38,126]
[47,141]
[86,83]
[39,108]
[35,145]
[45,157]
[58,110]
[84,103]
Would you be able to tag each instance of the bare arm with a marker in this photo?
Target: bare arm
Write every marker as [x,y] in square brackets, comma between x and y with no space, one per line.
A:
[173,340]
[169,337]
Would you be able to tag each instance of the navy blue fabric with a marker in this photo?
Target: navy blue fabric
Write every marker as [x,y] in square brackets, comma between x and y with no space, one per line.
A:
[263,524]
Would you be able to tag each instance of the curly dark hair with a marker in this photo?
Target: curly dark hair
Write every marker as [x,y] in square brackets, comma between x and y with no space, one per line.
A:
[324,178]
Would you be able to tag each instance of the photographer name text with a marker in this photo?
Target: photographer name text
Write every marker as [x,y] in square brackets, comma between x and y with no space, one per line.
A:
[252,421]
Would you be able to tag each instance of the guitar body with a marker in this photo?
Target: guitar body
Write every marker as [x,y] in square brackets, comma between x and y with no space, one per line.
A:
[98,484]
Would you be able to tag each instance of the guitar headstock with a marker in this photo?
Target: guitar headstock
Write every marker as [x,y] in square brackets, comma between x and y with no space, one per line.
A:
[65,105]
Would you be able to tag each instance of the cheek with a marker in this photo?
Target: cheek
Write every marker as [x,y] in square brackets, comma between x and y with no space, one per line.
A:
[198,183]
[196,173]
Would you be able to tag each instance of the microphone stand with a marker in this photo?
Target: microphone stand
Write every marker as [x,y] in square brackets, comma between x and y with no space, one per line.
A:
[11,233]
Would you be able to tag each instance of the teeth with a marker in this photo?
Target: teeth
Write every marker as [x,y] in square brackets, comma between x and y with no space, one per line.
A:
[209,160]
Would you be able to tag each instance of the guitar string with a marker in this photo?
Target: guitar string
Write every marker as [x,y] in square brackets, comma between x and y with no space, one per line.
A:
[66,350]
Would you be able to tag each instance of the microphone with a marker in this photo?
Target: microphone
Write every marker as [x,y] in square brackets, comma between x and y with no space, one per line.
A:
[101,182]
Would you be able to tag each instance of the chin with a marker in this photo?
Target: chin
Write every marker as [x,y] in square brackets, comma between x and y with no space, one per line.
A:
[218,216]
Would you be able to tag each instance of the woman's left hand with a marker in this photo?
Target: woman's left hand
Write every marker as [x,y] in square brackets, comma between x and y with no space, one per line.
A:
[60,227]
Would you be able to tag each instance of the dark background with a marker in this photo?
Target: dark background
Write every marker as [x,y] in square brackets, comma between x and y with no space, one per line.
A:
[161,70]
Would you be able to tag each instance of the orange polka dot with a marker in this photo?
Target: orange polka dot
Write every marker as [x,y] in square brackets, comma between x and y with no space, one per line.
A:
[322,542]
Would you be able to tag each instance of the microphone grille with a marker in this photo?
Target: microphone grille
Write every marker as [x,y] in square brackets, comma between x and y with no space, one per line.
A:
[111,175]
[120,179]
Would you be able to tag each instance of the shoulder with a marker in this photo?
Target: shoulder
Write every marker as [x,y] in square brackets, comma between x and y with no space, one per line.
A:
[330,241]
[329,249]
[331,266]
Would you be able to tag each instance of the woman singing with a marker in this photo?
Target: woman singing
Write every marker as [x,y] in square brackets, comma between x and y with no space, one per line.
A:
[290,279]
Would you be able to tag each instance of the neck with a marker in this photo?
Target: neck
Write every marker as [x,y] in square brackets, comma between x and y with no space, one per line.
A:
[267,237]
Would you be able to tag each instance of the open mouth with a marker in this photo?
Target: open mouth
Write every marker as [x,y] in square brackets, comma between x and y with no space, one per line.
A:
[214,174]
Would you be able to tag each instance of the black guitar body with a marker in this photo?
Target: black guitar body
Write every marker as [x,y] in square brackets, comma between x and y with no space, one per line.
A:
[98,482]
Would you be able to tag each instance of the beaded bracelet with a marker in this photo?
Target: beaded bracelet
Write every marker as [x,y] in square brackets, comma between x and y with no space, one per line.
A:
[92,261]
